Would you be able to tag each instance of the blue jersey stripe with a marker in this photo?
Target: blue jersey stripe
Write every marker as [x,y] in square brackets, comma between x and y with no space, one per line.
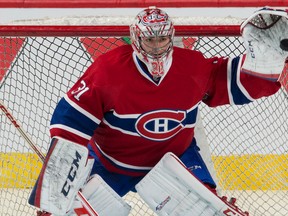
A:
[125,123]
[67,115]
[238,96]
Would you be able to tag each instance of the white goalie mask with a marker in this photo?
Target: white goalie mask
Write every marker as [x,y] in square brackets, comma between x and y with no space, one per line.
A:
[152,36]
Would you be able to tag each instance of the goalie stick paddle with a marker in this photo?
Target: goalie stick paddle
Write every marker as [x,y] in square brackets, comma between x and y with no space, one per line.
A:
[83,200]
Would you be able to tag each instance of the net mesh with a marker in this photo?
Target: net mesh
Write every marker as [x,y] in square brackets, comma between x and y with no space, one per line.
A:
[248,143]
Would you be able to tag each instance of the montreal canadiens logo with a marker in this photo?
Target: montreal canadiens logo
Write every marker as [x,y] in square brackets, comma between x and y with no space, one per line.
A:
[161,124]
[154,17]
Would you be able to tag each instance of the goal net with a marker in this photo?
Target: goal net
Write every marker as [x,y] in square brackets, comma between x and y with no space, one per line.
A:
[248,144]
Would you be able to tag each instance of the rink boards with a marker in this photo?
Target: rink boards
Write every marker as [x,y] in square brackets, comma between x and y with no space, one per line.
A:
[246,172]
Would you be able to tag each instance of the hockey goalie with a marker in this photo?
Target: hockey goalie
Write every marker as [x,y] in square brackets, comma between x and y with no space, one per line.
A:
[128,123]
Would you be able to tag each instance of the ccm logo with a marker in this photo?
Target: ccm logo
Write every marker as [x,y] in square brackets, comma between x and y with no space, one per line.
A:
[72,174]
[9,116]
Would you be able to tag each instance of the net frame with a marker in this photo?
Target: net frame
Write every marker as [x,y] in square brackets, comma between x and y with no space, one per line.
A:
[247,198]
[137,4]
[230,31]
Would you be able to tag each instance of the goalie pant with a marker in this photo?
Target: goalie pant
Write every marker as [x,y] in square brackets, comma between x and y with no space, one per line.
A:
[122,184]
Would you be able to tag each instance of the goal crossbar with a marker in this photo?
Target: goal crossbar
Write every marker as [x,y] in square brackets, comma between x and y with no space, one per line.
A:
[110,30]
[39,63]
[135,3]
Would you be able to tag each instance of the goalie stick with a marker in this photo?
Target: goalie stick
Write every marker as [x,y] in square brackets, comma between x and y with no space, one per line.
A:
[80,196]
[284,76]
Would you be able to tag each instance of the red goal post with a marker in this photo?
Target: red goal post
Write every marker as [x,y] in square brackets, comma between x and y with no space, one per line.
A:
[38,63]
[138,4]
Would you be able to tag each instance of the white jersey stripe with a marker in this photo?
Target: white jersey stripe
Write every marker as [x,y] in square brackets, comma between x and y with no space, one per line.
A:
[122,164]
[70,130]
[81,110]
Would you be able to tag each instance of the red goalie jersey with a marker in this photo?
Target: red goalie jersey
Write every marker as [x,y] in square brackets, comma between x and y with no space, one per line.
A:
[131,120]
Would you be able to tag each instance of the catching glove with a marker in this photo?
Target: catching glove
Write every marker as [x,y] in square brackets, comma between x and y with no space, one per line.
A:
[265,36]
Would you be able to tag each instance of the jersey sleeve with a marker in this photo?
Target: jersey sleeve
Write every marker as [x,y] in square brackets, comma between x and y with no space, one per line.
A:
[80,111]
[228,85]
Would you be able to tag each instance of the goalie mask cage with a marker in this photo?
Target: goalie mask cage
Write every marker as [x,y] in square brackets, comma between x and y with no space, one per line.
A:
[38,64]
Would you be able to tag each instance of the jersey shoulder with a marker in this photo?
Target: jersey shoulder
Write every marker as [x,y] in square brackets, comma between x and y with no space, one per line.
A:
[117,54]
[112,62]
[113,68]
[197,58]
[179,51]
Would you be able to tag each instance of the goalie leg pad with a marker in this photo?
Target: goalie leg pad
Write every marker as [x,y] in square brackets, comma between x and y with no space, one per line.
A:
[102,198]
[64,172]
[170,189]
